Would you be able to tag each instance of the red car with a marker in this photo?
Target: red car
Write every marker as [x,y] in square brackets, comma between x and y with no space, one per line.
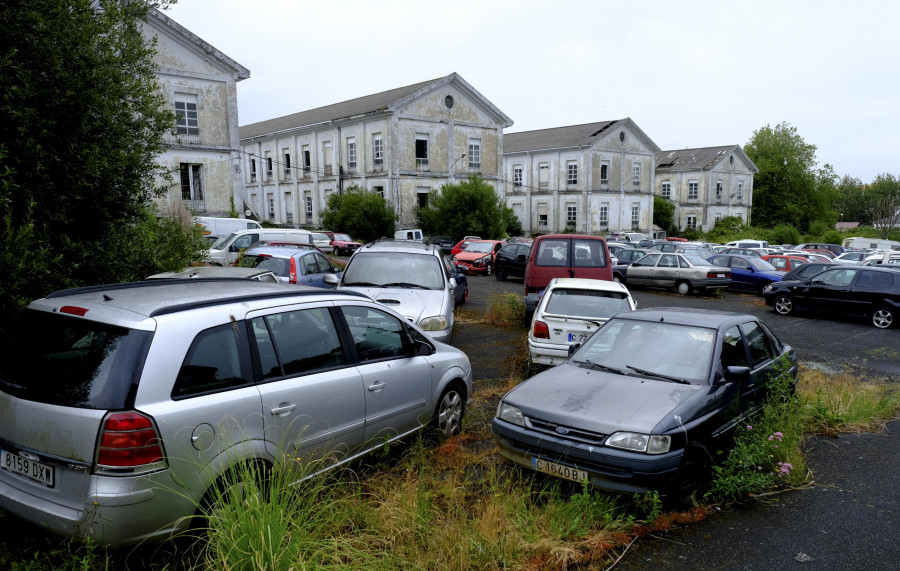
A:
[478,256]
[342,244]
[460,246]
[786,263]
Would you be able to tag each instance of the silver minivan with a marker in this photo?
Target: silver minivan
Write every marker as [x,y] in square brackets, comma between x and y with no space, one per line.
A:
[226,250]
[125,404]
[409,277]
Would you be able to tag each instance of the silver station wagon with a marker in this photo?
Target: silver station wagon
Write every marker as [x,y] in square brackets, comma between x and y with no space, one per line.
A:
[121,406]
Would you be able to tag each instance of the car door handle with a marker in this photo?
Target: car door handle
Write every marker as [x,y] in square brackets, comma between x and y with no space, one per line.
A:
[376,386]
[284,409]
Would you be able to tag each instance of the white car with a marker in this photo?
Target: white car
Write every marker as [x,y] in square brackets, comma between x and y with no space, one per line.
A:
[571,310]
[321,240]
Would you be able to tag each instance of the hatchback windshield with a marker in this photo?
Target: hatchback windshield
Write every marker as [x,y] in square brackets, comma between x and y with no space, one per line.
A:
[587,303]
[480,247]
[278,266]
[644,348]
[72,362]
[343,238]
[220,243]
[394,269]
[696,260]
[761,264]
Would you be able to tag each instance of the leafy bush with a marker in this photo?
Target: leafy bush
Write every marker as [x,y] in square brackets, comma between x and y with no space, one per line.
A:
[832,237]
[363,214]
[784,234]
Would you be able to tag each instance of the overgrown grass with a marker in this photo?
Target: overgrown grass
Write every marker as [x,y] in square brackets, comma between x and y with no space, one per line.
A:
[505,310]
[459,505]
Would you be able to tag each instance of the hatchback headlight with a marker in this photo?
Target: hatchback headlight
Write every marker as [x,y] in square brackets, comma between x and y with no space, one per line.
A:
[767,288]
[510,414]
[436,323]
[637,442]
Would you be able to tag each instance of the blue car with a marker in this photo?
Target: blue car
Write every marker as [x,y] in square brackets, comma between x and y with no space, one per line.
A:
[301,264]
[461,292]
[748,272]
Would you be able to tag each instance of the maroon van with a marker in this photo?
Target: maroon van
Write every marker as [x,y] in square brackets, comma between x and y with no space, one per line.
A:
[564,256]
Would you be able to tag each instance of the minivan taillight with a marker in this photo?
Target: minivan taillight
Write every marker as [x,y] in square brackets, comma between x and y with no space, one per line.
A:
[292,277]
[541,330]
[129,439]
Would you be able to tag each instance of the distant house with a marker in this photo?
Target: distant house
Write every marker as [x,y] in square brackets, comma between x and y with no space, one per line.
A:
[593,178]
[846,225]
[402,144]
[200,84]
[706,184]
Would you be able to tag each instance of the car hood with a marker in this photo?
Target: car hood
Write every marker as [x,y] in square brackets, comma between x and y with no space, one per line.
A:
[413,304]
[598,401]
[471,256]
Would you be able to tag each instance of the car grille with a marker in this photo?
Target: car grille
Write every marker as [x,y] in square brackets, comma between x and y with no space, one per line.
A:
[568,432]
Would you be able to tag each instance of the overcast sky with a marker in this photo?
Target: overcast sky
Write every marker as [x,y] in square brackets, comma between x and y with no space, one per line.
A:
[690,74]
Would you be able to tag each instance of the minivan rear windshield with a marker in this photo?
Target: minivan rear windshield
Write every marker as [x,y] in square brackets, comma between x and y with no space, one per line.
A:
[68,361]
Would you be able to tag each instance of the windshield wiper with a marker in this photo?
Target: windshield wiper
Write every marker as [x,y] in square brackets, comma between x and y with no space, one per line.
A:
[601,366]
[657,375]
[405,284]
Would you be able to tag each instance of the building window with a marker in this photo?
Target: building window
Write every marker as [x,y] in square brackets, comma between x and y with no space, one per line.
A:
[517,175]
[692,190]
[718,218]
[667,190]
[542,220]
[252,170]
[474,154]
[288,208]
[636,173]
[379,190]
[740,191]
[422,152]
[187,121]
[309,211]
[604,172]
[377,152]
[571,173]
[351,154]
[271,202]
[691,222]
[571,214]
[306,161]
[192,188]
[719,190]
[287,165]
[604,215]
[635,215]
[422,196]
[326,155]
[268,166]
[543,175]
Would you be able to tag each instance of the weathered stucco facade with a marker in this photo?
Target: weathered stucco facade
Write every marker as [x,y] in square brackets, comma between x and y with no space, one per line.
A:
[200,86]
[706,184]
[596,178]
[401,143]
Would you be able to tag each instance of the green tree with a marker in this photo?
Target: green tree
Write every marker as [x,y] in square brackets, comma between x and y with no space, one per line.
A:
[786,189]
[664,215]
[884,204]
[82,127]
[850,202]
[468,207]
[363,214]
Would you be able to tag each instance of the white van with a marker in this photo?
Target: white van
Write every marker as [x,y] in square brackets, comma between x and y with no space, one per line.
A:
[857,243]
[411,234]
[226,250]
[748,244]
[219,227]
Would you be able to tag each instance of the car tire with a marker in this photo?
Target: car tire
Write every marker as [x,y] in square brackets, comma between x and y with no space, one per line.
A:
[465,297]
[692,477]
[617,278]
[500,274]
[336,251]
[449,412]
[761,287]
[784,305]
[232,483]
[883,317]
[683,288]
[487,270]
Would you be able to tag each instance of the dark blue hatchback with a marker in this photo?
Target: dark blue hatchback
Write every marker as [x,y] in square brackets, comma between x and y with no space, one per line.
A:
[748,272]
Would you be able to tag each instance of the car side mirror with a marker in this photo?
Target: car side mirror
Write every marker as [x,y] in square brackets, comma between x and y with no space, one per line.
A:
[520,258]
[574,347]
[737,374]
[420,347]
[330,279]
[453,283]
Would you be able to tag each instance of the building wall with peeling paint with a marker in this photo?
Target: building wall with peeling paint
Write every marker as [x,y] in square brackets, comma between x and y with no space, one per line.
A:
[298,195]
[601,200]
[191,72]
[724,190]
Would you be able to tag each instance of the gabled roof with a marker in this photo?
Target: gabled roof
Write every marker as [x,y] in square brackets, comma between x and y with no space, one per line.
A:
[571,136]
[368,104]
[704,158]
[197,42]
